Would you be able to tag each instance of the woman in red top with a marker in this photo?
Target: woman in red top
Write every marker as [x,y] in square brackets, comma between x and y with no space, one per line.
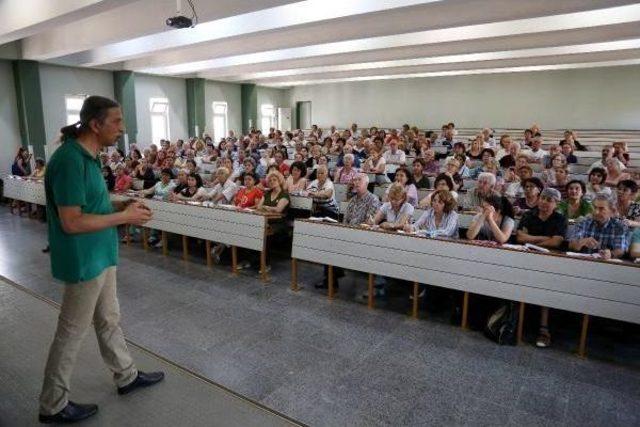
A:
[250,195]
[123,181]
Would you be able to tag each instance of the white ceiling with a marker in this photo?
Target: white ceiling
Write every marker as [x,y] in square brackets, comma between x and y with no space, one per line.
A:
[284,43]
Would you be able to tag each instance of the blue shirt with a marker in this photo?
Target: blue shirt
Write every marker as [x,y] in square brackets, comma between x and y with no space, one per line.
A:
[611,235]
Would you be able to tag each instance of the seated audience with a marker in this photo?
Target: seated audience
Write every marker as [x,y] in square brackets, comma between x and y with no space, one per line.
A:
[626,207]
[163,188]
[440,219]
[109,178]
[144,173]
[484,187]
[543,226]
[634,246]
[181,181]
[567,150]
[601,233]
[297,181]
[194,190]
[595,184]
[575,206]
[276,199]
[322,191]
[494,222]
[249,195]
[123,181]
[560,181]
[404,177]
[40,169]
[535,152]
[615,172]
[345,174]
[607,153]
[397,212]
[431,166]
[420,179]
[442,182]
[224,188]
[363,205]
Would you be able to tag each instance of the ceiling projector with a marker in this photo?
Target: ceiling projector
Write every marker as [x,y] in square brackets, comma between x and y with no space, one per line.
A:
[180,22]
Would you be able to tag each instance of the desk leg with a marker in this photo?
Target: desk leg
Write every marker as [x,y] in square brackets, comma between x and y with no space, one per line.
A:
[234,260]
[165,244]
[582,349]
[414,311]
[330,280]
[207,246]
[294,274]
[465,310]
[263,266]
[372,292]
[145,244]
[185,248]
[520,322]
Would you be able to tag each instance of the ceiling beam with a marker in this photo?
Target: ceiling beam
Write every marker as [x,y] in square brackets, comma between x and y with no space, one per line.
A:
[23,18]
[575,20]
[134,21]
[524,41]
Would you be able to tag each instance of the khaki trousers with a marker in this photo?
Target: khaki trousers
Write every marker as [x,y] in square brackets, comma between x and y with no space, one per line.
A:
[83,302]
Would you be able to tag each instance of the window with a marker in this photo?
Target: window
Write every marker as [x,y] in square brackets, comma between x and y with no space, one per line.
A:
[219,120]
[268,117]
[73,104]
[159,108]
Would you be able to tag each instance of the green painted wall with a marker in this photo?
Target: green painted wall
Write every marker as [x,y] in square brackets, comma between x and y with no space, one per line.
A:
[124,89]
[26,75]
[196,119]
[249,105]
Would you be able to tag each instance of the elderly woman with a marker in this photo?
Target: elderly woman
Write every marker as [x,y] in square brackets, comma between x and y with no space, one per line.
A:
[556,161]
[376,164]
[504,146]
[322,161]
[181,181]
[627,208]
[322,191]
[431,166]
[494,222]
[509,159]
[452,168]
[441,219]
[405,178]
[484,187]
[595,184]
[615,174]
[224,189]
[575,206]
[123,181]
[194,190]
[532,188]
[345,174]
[144,173]
[397,211]
[276,200]
[297,181]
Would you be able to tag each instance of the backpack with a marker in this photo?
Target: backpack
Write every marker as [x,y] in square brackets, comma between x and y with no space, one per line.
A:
[502,325]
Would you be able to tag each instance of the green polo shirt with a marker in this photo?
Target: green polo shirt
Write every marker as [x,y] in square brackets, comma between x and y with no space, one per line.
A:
[74,178]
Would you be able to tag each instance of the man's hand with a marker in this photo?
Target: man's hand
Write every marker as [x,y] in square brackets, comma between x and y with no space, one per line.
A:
[589,243]
[137,213]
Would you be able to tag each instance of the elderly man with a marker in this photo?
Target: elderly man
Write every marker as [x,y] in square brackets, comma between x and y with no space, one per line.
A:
[543,226]
[607,153]
[602,232]
[361,208]
[484,187]
[363,205]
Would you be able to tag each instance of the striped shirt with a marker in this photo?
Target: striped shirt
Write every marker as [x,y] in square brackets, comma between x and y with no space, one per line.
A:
[426,224]
[611,235]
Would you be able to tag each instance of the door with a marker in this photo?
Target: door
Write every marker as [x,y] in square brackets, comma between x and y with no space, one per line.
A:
[304,114]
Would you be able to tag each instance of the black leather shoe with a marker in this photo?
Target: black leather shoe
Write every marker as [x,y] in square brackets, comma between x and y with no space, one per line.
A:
[46,250]
[324,284]
[71,413]
[142,380]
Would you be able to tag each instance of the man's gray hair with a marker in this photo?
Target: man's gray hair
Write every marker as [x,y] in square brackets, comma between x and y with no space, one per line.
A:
[604,198]
[364,176]
[488,176]
[349,156]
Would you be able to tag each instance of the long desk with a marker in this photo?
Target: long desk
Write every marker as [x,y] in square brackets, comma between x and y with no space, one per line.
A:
[26,190]
[222,224]
[229,226]
[580,285]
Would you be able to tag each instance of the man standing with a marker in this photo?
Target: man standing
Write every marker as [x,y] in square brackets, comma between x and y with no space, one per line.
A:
[84,255]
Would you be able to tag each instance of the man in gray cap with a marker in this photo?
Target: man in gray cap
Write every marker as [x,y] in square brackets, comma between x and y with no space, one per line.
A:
[543,226]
